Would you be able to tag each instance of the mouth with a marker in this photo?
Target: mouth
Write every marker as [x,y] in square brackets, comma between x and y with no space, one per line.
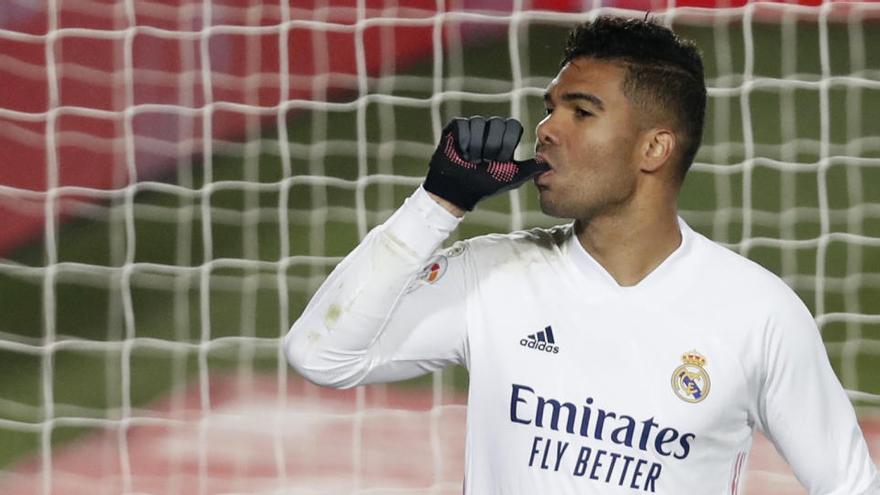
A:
[542,160]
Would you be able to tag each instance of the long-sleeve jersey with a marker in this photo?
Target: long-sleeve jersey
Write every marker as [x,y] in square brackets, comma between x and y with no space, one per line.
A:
[578,385]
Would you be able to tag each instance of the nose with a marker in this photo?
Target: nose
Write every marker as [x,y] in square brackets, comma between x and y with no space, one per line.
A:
[545,132]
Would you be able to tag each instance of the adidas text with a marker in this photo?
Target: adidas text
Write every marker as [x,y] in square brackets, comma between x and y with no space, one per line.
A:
[541,341]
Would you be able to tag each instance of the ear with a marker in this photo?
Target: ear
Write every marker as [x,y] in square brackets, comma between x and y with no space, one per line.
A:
[657,148]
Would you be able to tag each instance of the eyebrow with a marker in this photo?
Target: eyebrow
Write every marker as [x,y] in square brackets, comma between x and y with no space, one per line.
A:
[595,100]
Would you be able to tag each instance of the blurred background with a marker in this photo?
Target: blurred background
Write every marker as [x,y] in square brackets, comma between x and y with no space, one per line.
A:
[177,178]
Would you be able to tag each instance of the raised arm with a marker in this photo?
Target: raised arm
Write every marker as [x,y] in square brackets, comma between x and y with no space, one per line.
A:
[338,340]
[364,325]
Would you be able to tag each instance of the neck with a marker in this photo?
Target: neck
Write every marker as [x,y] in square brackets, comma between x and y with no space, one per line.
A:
[631,243]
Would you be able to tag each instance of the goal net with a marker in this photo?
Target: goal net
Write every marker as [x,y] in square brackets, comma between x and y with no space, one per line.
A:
[177,177]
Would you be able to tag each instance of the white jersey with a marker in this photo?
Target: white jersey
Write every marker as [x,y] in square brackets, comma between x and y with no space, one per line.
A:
[579,385]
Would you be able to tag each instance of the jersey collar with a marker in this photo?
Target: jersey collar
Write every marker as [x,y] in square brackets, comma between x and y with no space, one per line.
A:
[595,273]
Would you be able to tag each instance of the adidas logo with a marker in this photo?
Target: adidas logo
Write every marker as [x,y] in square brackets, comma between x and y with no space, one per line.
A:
[542,341]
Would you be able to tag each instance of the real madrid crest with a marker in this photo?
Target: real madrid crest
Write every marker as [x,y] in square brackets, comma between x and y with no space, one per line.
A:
[690,381]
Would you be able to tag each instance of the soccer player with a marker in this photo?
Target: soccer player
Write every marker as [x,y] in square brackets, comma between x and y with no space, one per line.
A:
[621,353]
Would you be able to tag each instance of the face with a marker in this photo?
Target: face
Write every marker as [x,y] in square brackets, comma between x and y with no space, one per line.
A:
[589,139]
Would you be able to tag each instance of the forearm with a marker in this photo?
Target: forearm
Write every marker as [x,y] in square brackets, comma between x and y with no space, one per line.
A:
[333,341]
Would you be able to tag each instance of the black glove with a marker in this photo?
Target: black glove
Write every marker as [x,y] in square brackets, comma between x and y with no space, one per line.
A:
[475,159]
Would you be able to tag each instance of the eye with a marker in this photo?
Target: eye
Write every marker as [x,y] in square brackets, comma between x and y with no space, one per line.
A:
[548,110]
[580,112]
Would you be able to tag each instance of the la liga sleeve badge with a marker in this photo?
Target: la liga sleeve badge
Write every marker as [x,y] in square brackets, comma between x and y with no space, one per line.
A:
[433,271]
[690,381]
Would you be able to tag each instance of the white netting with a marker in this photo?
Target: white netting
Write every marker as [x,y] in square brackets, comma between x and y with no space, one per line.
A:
[178,177]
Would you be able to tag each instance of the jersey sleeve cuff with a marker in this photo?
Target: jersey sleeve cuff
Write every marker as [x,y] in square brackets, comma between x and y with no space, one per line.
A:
[421,224]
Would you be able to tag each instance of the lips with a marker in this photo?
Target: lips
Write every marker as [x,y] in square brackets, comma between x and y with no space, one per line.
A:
[542,180]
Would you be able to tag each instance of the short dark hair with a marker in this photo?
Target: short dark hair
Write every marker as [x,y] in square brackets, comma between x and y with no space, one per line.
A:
[664,73]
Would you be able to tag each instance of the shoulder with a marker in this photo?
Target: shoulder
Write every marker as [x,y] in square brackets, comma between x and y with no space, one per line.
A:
[531,247]
[742,281]
[538,239]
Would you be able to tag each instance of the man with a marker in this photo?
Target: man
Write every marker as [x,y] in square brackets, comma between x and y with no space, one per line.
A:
[623,353]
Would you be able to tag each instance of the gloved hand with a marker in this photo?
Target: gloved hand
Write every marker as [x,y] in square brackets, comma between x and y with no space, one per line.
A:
[475,159]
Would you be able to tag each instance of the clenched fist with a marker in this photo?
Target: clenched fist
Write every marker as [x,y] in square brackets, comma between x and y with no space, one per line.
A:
[474,159]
